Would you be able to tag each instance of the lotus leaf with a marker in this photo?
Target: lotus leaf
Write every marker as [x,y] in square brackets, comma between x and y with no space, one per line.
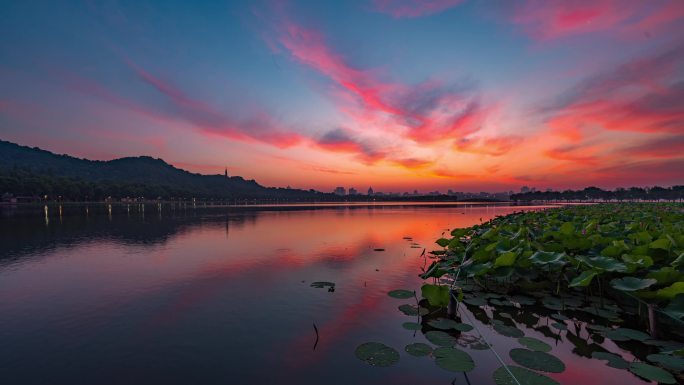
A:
[377,354]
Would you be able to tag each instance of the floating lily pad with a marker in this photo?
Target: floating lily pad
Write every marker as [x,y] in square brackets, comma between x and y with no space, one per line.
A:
[418,349]
[613,359]
[598,328]
[440,338]
[411,326]
[453,360]
[560,326]
[508,331]
[377,354]
[401,294]
[670,362]
[652,373]
[552,303]
[624,334]
[322,284]
[443,323]
[522,375]
[537,360]
[461,327]
[534,344]
[476,301]
[412,310]
[523,300]
[632,284]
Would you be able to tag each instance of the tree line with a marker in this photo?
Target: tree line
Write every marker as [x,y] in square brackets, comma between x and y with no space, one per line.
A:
[27,183]
[655,193]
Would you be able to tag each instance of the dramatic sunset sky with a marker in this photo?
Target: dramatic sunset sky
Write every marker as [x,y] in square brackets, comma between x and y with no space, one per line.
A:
[395,94]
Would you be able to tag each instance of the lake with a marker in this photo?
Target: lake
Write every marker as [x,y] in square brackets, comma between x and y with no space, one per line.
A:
[223,296]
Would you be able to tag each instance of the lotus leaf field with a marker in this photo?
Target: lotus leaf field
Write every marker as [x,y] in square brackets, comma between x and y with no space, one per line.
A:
[613,271]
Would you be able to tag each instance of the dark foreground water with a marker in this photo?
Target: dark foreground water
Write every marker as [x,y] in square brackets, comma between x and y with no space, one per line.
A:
[223,296]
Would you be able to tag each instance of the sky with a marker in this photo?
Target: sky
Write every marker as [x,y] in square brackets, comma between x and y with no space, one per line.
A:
[400,95]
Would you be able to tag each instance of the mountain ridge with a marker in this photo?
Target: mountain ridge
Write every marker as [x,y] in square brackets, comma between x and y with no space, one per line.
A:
[125,174]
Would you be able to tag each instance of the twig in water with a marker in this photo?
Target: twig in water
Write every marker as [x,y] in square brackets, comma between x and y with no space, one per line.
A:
[316,330]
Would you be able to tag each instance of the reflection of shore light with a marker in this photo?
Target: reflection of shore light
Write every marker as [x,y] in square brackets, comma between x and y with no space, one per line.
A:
[47,220]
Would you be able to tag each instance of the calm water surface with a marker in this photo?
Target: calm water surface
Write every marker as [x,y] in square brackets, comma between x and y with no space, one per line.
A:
[223,296]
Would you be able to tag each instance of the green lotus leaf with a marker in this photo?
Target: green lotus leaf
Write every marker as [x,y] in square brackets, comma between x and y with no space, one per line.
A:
[665,275]
[671,291]
[652,373]
[412,310]
[523,300]
[377,354]
[642,237]
[418,349]
[613,359]
[537,360]
[453,360]
[560,326]
[508,331]
[625,334]
[443,323]
[662,243]
[437,295]
[522,377]
[411,326]
[567,228]
[440,338]
[632,284]
[670,362]
[476,301]
[477,269]
[548,258]
[552,303]
[506,259]
[637,262]
[442,242]
[676,306]
[401,294]
[583,279]
[679,261]
[534,344]
[463,327]
[605,263]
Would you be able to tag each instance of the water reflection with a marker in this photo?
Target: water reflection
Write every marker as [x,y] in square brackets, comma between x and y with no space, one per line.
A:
[224,296]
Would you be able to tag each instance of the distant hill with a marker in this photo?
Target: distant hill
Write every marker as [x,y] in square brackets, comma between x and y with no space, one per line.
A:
[33,171]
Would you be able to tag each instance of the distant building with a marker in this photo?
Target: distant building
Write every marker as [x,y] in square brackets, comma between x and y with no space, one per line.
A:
[524,190]
[352,191]
[340,191]
[370,191]
[226,172]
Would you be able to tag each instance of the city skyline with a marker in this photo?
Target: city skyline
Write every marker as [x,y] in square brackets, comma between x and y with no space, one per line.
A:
[398,95]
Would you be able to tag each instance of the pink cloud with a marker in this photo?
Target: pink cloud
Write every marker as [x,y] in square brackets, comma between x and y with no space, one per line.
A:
[546,20]
[413,8]
[642,95]
[259,127]
[423,113]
